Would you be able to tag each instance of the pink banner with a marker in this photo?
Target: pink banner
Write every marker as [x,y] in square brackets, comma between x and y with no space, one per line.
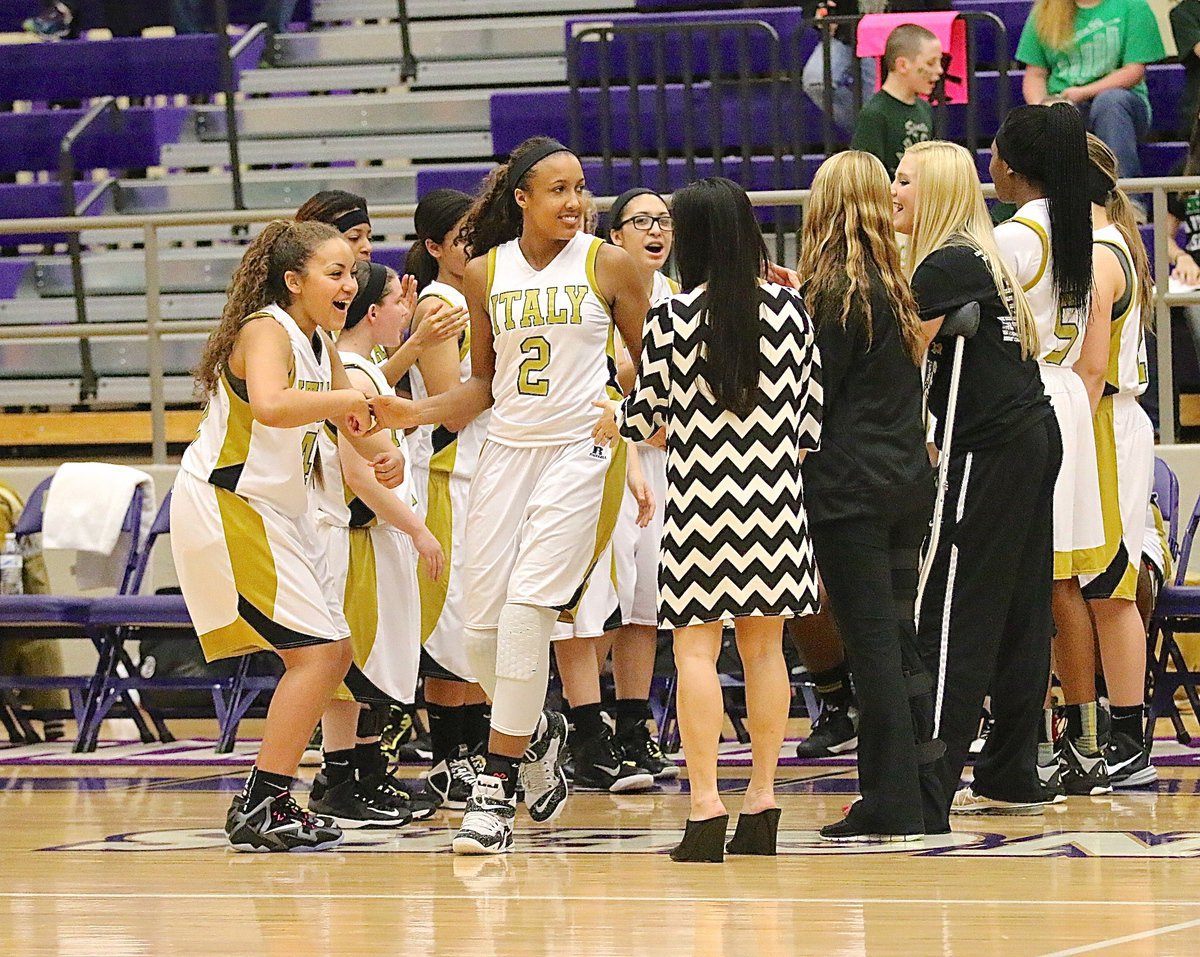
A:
[875,28]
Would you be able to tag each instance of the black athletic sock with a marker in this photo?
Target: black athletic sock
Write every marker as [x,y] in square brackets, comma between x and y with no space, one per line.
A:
[503,767]
[1128,720]
[338,766]
[445,729]
[833,686]
[1083,727]
[477,726]
[263,784]
[588,721]
[630,712]
[368,760]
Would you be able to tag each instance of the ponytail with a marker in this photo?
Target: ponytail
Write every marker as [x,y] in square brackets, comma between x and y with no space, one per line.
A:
[1105,172]
[1047,145]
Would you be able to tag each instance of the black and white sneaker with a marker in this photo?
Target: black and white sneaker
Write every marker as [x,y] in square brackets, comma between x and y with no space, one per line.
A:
[639,747]
[278,824]
[487,826]
[350,809]
[1128,763]
[385,788]
[834,732]
[1050,776]
[451,781]
[541,774]
[600,766]
[1083,775]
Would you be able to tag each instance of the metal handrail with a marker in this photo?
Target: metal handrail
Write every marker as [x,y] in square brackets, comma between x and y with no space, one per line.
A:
[408,62]
[155,328]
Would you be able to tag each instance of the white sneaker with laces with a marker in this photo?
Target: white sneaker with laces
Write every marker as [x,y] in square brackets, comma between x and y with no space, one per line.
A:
[541,775]
[487,825]
[967,801]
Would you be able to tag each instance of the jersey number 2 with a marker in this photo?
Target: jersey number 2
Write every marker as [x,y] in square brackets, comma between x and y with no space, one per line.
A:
[536,352]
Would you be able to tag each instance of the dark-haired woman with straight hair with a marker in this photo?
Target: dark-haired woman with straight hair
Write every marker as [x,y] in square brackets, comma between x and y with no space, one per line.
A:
[544,298]
[869,490]
[1039,163]
[443,463]
[731,370]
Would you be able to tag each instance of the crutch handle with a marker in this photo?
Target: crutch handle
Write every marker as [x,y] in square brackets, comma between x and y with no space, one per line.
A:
[963,321]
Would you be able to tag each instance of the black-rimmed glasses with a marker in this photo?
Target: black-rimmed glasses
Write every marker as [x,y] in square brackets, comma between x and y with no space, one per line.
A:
[645,222]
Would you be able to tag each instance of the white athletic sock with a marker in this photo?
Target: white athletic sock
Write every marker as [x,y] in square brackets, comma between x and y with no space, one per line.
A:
[522,667]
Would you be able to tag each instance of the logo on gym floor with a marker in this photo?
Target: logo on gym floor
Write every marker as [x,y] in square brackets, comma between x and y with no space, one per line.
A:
[588,840]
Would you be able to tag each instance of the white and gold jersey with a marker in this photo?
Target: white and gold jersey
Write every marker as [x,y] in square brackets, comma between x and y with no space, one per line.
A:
[336,502]
[235,452]
[554,345]
[1127,371]
[436,448]
[1024,242]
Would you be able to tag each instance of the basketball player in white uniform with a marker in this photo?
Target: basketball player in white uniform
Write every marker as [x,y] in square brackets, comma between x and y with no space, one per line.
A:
[249,566]
[543,299]
[371,537]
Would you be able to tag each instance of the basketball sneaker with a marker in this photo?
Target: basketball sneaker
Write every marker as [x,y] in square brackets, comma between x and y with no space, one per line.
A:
[968,801]
[834,732]
[601,766]
[487,825]
[541,774]
[382,786]
[1050,776]
[639,747]
[1128,763]
[278,824]
[451,780]
[1083,775]
[349,808]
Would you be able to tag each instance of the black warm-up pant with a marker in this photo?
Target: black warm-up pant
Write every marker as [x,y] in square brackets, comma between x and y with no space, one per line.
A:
[869,567]
[985,617]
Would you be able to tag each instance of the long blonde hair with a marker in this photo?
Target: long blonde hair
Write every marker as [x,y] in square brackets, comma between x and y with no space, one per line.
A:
[847,231]
[951,212]
[1120,213]
[1054,23]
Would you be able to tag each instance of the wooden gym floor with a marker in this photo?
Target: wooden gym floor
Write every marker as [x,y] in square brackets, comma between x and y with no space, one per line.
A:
[125,857]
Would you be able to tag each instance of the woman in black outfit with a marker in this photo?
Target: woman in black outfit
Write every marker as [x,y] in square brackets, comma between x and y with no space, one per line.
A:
[983,601]
[870,488]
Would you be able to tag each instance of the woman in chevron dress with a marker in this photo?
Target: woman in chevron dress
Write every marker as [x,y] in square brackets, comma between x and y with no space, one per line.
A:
[731,369]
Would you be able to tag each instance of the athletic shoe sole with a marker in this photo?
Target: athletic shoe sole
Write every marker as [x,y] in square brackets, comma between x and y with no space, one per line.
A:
[874,839]
[245,848]
[1002,810]
[1097,791]
[850,744]
[470,847]
[634,782]
[669,773]
[1137,779]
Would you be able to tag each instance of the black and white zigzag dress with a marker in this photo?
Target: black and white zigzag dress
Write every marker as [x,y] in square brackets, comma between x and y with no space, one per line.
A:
[735,541]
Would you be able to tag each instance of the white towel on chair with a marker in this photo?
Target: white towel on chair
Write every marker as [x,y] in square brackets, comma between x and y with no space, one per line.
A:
[84,510]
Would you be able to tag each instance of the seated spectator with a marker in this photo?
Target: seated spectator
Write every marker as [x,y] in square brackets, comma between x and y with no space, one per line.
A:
[898,117]
[1094,54]
[60,19]
[1185,26]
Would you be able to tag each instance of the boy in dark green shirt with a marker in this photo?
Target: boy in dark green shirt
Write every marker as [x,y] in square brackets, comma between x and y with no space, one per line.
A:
[897,116]
[1185,26]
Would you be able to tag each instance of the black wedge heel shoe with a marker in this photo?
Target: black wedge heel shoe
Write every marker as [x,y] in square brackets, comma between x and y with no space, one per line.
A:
[755,833]
[703,841]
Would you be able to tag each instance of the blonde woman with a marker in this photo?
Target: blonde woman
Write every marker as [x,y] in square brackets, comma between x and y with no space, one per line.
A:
[869,488]
[984,604]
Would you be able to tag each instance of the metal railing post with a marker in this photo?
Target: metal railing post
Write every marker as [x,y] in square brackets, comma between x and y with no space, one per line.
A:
[408,62]
[225,56]
[1162,322]
[154,347]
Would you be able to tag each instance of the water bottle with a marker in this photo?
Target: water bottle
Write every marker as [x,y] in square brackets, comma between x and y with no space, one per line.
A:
[12,567]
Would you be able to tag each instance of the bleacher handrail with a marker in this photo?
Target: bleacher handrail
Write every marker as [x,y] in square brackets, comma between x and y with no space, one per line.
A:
[155,329]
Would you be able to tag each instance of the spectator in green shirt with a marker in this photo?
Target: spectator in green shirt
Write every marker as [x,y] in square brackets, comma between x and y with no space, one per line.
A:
[1185,26]
[1093,53]
[897,117]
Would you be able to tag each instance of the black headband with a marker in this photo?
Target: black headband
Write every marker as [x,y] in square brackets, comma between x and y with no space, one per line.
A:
[518,168]
[348,220]
[367,295]
[614,214]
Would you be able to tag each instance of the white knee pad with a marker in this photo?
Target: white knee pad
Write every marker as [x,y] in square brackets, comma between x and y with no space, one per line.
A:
[522,668]
[480,646]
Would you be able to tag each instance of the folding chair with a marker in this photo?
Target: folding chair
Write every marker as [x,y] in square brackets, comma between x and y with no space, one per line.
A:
[62,616]
[1177,609]
[120,619]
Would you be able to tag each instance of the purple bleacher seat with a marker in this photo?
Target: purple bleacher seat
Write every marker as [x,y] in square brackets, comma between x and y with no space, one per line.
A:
[37,200]
[14,12]
[134,138]
[79,69]
[12,273]
[1012,13]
